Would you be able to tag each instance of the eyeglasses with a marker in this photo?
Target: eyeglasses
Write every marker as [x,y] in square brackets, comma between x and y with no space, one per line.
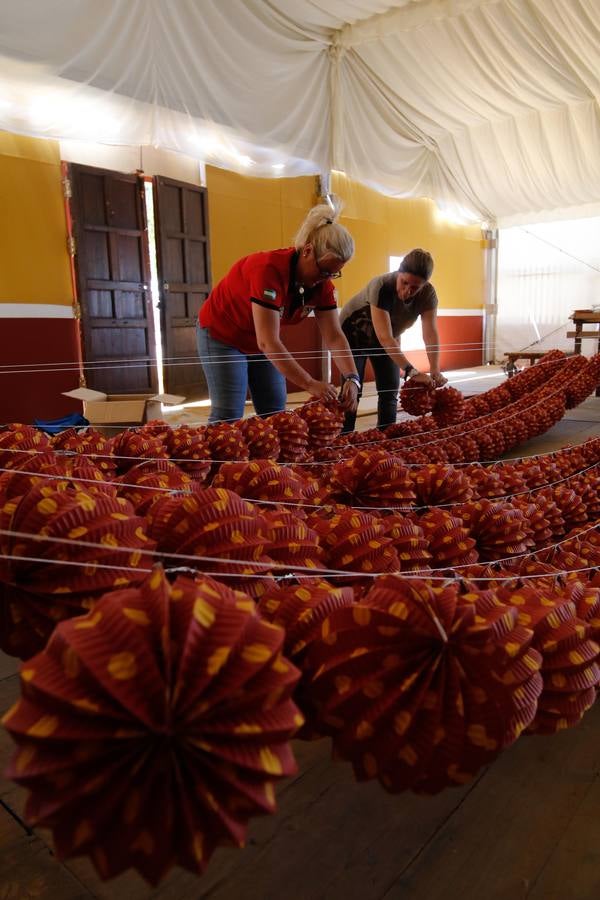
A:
[324,274]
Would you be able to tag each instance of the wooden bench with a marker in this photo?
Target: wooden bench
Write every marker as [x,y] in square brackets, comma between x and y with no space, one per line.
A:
[510,368]
[580,318]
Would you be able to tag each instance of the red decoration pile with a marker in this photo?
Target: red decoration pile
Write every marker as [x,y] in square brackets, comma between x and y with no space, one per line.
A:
[151,730]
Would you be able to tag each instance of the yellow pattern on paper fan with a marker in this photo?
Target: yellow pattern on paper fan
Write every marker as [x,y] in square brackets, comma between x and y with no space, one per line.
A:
[44,727]
[122,666]
[270,762]
[139,616]
[204,613]
[256,653]
[89,621]
[217,660]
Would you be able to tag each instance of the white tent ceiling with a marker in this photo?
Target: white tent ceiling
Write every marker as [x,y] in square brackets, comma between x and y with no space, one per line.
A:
[486,105]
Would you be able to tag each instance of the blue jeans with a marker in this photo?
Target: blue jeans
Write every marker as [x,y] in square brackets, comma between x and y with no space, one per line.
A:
[229,373]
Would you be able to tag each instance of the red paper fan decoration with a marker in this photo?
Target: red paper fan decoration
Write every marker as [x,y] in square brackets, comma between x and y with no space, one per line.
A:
[293,435]
[47,580]
[500,529]
[423,686]
[372,478]
[572,507]
[262,479]
[55,472]
[370,436]
[226,442]
[189,449]
[151,730]
[324,422]
[261,438]
[91,444]
[437,484]
[569,657]
[541,532]
[19,442]
[403,429]
[485,481]
[450,543]
[133,446]
[586,598]
[448,406]
[355,541]
[416,399]
[545,501]
[216,524]
[409,541]
[147,481]
[291,542]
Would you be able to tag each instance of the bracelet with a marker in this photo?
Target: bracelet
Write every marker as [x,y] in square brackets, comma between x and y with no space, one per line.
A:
[409,369]
[352,377]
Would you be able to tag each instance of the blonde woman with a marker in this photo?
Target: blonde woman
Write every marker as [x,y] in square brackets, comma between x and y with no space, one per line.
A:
[239,324]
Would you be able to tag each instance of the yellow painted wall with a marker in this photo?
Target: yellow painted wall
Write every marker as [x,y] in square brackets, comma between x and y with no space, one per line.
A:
[34,264]
[248,214]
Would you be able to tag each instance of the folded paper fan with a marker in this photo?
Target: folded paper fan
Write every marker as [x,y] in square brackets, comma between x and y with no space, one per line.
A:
[450,543]
[485,481]
[226,442]
[189,449]
[324,422]
[571,505]
[133,446]
[586,598]
[545,501]
[587,486]
[541,531]
[293,435]
[372,478]
[224,531]
[422,686]
[263,479]
[291,542]
[61,551]
[354,541]
[500,529]
[409,541]
[54,471]
[147,481]
[416,399]
[89,443]
[569,657]
[261,438]
[151,730]
[439,484]
[448,406]
[18,442]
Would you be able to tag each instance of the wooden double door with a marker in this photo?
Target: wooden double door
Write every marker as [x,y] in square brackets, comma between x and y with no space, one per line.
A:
[113,246]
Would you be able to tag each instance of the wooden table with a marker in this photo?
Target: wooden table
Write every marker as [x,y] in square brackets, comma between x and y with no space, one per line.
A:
[580,318]
[511,359]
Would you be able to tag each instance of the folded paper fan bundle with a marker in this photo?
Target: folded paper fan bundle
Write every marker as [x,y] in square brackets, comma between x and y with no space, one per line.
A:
[151,730]
[292,431]
[144,483]
[226,442]
[291,542]
[90,443]
[324,422]
[189,449]
[61,551]
[215,531]
[569,669]
[409,541]
[261,438]
[448,406]
[500,529]
[416,399]
[133,446]
[19,442]
[423,685]
[439,484]
[263,479]
[449,541]
[356,542]
[372,478]
[54,471]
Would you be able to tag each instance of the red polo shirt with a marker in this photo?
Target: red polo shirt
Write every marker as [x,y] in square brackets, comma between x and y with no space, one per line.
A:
[266,278]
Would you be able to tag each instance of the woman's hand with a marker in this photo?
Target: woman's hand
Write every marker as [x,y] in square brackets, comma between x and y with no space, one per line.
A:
[438,379]
[422,378]
[322,390]
[349,396]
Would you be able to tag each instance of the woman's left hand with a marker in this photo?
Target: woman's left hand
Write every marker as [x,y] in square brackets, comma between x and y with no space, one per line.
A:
[349,396]
[438,379]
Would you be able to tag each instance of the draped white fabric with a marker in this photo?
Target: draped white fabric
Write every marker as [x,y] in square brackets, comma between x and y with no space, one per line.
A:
[490,107]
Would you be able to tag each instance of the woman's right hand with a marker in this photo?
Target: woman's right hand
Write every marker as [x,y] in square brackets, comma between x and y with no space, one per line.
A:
[322,390]
[422,378]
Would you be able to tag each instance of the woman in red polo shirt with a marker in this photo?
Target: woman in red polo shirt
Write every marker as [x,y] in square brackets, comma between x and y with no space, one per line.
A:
[239,323]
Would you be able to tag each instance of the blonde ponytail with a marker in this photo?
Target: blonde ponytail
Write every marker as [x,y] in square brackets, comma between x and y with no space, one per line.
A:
[321,229]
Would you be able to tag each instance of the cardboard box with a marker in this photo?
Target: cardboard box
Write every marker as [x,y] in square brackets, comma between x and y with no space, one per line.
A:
[121,409]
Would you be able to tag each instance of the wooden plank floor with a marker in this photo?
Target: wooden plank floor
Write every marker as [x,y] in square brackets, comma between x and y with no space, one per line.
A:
[528,827]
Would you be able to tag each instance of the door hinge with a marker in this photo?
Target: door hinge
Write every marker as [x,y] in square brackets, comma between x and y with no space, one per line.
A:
[66,186]
[71,245]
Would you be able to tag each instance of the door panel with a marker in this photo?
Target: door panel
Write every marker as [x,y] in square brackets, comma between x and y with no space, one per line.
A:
[184,279]
[113,274]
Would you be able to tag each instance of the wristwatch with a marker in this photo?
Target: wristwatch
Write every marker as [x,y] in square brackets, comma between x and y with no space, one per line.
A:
[408,371]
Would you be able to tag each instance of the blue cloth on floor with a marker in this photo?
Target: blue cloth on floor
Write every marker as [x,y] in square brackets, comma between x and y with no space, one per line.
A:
[54,426]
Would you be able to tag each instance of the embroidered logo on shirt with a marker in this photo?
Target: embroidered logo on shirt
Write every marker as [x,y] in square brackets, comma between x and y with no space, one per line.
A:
[270,295]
